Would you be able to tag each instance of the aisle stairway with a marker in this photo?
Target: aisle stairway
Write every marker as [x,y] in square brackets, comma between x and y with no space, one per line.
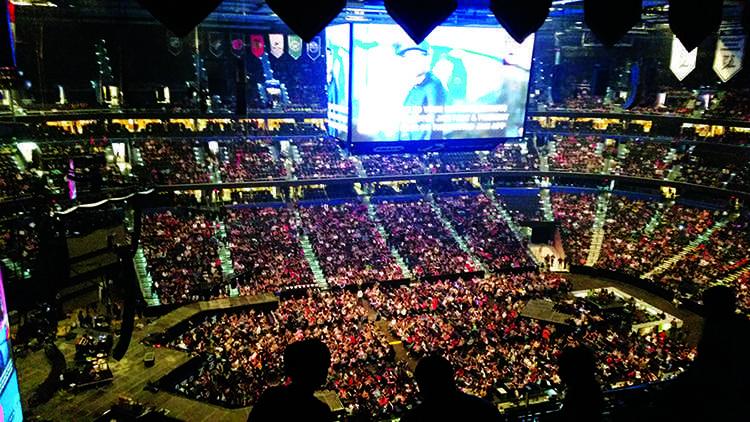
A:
[597,231]
[685,251]
[374,217]
[360,168]
[312,259]
[320,278]
[543,161]
[656,219]
[675,170]
[729,280]
[144,279]
[508,220]
[290,164]
[544,195]
[225,255]
[447,224]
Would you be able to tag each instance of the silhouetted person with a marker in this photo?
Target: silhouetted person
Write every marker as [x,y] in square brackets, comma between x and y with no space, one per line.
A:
[442,400]
[716,385]
[583,396]
[306,363]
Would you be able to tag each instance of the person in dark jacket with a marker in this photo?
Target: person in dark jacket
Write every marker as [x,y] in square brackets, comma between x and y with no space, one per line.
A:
[442,400]
[306,362]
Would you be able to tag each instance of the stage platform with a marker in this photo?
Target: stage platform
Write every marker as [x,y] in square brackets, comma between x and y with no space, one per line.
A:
[543,310]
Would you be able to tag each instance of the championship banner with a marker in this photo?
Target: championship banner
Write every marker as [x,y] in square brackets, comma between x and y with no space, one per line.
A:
[257,46]
[216,43]
[238,45]
[313,49]
[277,44]
[730,50]
[174,44]
[683,61]
[295,46]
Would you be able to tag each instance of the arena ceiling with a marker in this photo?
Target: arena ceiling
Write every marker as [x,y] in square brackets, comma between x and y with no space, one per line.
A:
[255,14]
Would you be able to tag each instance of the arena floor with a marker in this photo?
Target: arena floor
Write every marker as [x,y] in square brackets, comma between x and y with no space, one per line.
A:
[131,376]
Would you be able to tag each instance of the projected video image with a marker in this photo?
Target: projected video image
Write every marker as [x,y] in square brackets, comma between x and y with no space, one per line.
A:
[460,83]
[10,396]
[337,79]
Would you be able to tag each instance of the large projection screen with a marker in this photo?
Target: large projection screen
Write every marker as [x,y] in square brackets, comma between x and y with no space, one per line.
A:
[460,83]
[338,39]
[10,397]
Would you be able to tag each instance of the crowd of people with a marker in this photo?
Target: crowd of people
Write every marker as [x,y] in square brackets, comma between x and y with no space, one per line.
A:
[626,221]
[575,213]
[352,248]
[392,164]
[704,165]
[644,159]
[182,256]
[488,235]
[522,205]
[478,324]
[251,160]
[243,352]
[417,233]
[577,153]
[323,158]
[265,249]
[513,156]
[635,246]
[722,254]
[347,244]
[172,161]
[91,167]
[452,162]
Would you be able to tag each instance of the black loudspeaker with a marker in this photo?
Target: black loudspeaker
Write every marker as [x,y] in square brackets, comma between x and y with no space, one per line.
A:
[599,81]
[149,359]
[542,234]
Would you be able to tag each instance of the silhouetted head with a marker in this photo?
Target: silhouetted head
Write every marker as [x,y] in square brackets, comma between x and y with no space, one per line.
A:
[306,362]
[434,376]
[719,301]
[576,365]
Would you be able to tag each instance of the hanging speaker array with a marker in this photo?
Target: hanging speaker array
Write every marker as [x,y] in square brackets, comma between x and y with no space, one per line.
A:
[691,21]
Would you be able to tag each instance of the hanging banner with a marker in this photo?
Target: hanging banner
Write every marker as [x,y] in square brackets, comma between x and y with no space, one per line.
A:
[216,43]
[313,48]
[277,44]
[683,61]
[174,44]
[238,45]
[295,45]
[257,46]
[730,51]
